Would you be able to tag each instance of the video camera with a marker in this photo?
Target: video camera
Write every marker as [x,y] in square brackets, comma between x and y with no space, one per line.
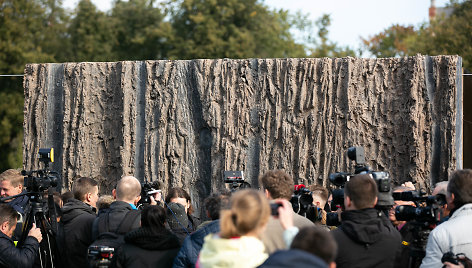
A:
[44,178]
[301,200]
[339,179]
[100,256]
[148,189]
[235,180]
[426,209]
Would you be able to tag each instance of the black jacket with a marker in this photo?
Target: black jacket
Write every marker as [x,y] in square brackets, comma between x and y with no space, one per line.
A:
[145,248]
[24,257]
[188,254]
[366,238]
[77,220]
[293,258]
[117,212]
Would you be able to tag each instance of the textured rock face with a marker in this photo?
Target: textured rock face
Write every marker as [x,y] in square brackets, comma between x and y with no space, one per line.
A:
[184,122]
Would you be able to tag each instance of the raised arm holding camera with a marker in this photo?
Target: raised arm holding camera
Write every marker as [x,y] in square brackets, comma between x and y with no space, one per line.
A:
[11,256]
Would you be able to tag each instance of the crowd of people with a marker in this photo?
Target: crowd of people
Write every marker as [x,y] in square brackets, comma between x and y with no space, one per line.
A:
[245,228]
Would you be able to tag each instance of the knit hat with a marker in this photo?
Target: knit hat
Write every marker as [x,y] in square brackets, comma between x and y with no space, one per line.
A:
[177,216]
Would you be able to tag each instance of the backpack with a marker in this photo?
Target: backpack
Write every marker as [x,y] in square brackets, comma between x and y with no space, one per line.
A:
[101,251]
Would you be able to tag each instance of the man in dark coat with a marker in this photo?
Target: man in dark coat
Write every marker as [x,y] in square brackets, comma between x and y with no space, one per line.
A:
[77,219]
[151,245]
[366,237]
[11,256]
[127,194]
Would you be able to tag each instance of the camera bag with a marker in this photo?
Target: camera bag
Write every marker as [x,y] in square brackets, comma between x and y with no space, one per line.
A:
[113,238]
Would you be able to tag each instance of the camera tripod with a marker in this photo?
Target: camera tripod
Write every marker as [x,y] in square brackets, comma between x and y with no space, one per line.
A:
[46,221]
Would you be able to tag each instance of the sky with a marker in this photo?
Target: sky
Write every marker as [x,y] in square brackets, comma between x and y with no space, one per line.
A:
[350,19]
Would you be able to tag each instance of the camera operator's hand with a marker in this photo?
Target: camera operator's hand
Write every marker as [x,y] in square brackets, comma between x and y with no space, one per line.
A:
[156,198]
[36,233]
[409,184]
[285,213]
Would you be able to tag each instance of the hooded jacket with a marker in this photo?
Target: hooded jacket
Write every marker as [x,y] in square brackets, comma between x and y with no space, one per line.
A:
[77,220]
[366,238]
[293,258]
[242,252]
[146,248]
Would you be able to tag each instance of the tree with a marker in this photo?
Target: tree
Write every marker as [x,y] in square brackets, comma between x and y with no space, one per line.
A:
[395,41]
[29,31]
[230,29]
[91,36]
[324,47]
[444,35]
[140,31]
[449,35]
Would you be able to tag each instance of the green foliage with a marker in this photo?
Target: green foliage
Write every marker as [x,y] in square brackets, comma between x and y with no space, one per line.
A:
[443,36]
[140,31]
[449,35]
[11,132]
[91,37]
[230,29]
[395,41]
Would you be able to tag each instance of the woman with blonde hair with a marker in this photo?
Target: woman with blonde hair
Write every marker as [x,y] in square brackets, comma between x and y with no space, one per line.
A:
[238,244]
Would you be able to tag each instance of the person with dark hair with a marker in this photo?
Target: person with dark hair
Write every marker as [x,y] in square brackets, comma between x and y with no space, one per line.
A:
[179,213]
[312,247]
[455,234]
[151,245]
[66,196]
[11,256]
[77,218]
[366,237]
[192,245]
[277,184]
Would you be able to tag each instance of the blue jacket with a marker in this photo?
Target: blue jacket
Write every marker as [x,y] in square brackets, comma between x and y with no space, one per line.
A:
[188,254]
[293,258]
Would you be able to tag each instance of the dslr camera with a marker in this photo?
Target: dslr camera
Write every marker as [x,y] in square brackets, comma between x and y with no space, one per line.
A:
[148,189]
[302,199]
[235,180]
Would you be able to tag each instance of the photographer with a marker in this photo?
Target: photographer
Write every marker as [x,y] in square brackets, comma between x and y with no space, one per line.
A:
[278,184]
[78,216]
[11,256]
[366,237]
[320,197]
[454,235]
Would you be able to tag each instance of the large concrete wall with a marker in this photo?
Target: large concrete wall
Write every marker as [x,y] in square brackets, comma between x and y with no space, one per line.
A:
[184,122]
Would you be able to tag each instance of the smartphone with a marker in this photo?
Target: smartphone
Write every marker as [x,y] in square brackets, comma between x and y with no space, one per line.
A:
[274,208]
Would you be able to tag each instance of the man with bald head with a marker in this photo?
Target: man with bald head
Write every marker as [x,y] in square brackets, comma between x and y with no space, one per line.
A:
[127,194]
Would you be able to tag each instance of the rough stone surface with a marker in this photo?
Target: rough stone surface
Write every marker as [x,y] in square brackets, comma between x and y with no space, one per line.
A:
[184,122]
